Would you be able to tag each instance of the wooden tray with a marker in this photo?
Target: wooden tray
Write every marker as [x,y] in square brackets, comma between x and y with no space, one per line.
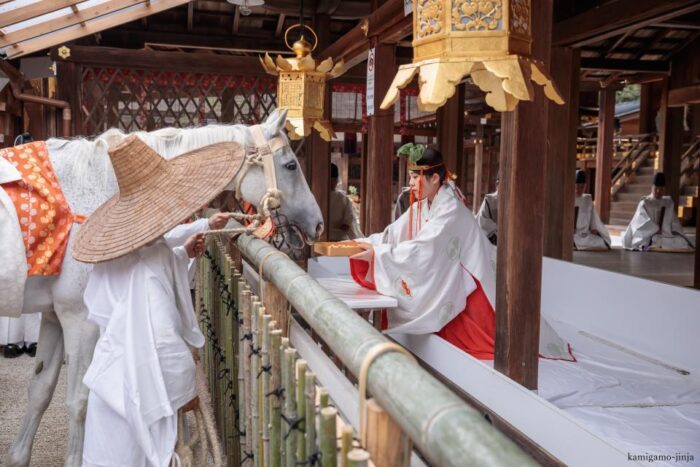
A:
[337,248]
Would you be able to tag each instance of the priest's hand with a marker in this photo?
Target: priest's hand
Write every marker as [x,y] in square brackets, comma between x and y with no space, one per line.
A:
[194,246]
[191,405]
[219,220]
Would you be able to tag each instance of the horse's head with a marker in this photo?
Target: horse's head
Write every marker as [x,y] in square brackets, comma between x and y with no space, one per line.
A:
[298,204]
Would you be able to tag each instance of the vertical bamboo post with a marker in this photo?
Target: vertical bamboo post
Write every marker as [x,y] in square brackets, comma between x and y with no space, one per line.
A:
[235,362]
[249,436]
[229,417]
[258,382]
[327,441]
[275,405]
[253,375]
[301,409]
[323,398]
[266,327]
[383,438]
[284,345]
[241,371]
[290,407]
[276,304]
[358,458]
[345,444]
[310,415]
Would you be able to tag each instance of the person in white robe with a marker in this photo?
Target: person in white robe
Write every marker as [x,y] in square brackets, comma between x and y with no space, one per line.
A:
[343,223]
[655,225]
[589,231]
[435,260]
[19,335]
[487,217]
[143,371]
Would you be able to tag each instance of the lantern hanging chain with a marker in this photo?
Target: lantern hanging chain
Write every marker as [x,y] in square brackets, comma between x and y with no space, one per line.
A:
[301,17]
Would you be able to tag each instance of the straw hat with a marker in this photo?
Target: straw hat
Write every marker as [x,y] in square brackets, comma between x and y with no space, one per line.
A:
[154,196]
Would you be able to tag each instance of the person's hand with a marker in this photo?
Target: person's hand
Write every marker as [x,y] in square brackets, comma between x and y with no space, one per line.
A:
[191,405]
[219,220]
[194,246]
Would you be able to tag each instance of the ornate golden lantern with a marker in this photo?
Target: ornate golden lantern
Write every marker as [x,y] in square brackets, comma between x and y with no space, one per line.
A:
[489,40]
[301,86]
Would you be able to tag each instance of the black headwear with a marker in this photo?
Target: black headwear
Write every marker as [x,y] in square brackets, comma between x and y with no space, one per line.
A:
[659,179]
[334,171]
[580,177]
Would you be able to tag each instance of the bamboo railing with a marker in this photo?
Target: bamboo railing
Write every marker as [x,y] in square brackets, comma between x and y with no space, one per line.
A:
[632,158]
[269,407]
[690,163]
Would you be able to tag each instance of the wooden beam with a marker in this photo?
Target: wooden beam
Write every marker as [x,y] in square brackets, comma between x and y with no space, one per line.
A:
[478,168]
[380,146]
[696,279]
[99,24]
[236,21]
[604,148]
[17,15]
[682,96]
[280,24]
[561,157]
[670,143]
[520,214]
[151,59]
[630,66]
[646,109]
[65,21]
[615,18]
[190,16]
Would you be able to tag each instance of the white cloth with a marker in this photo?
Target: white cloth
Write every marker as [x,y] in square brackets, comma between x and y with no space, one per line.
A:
[13,273]
[24,329]
[341,215]
[179,235]
[431,275]
[487,217]
[587,221]
[648,229]
[142,371]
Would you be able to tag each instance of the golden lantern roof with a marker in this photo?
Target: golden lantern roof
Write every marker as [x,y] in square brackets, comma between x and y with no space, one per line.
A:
[488,40]
[301,86]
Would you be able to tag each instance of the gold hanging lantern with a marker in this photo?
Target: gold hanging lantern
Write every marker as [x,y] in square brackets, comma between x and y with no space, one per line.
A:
[301,86]
[489,40]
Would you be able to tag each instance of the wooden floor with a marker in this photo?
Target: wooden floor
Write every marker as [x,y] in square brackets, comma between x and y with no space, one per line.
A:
[671,268]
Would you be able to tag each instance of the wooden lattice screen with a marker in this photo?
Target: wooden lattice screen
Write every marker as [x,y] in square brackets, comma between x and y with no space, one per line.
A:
[136,99]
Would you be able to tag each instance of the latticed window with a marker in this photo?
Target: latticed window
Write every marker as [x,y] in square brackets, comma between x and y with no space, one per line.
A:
[132,99]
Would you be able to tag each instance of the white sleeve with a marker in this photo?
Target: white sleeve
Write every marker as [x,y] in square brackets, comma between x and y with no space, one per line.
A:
[179,234]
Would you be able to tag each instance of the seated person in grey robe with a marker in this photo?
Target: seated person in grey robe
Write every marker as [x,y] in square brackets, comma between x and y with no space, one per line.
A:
[589,231]
[403,201]
[487,217]
[655,224]
[343,222]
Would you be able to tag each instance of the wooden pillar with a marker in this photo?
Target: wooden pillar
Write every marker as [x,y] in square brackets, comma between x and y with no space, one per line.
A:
[478,166]
[561,157]
[319,155]
[403,163]
[520,207]
[380,144]
[646,109]
[68,77]
[604,154]
[363,184]
[696,282]
[450,129]
[670,144]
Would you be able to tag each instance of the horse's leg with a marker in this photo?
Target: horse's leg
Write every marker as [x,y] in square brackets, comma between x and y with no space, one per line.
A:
[80,337]
[49,357]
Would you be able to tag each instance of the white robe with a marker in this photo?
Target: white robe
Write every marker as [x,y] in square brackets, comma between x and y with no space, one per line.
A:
[438,266]
[341,214]
[22,330]
[487,217]
[644,232]
[587,221]
[142,371]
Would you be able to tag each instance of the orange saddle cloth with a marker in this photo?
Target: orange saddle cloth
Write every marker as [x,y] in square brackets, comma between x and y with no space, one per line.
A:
[43,212]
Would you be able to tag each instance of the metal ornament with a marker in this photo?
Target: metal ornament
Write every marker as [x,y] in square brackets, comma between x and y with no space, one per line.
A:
[491,41]
[301,85]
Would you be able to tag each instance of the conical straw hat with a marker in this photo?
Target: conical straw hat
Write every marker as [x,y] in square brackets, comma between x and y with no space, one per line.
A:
[154,196]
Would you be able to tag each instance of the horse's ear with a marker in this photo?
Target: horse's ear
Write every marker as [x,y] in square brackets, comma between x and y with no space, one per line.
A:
[276,121]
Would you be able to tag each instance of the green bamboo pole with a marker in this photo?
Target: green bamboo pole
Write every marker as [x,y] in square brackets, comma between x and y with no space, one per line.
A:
[301,409]
[266,321]
[275,402]
[284,345]
[358,458]
[249,436]
[323,398]
[310,415]
[327,441]
[241,372]
[290,407]
[235,363]
[229,419]
[253,375]
[457,435]
[345,444]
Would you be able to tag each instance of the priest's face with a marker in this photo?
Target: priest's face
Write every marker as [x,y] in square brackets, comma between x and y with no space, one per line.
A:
[428,185]
[657,191]
[580,189]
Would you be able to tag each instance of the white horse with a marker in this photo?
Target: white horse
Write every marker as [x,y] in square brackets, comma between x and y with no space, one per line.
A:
[85,174]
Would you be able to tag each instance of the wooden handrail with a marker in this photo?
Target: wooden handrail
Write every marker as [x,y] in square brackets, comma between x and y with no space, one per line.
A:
[690,162]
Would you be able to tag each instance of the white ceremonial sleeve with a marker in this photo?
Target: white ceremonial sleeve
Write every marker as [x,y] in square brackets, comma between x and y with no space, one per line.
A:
[180,233]
[483,218]
[597,224]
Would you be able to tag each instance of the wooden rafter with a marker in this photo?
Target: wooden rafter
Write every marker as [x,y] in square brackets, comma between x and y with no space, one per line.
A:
[619,42]
[133,13]
[190,16]
[280,24]
[33,10]
[70,19]
[628,66]
[689,40]
[649,45]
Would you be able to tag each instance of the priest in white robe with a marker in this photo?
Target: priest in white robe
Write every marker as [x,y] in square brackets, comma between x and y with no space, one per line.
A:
[655,225]
[143,370]
[435,261]
[589,231]
[487,217]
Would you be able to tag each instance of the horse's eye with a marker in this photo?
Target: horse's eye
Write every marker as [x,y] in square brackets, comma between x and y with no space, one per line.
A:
[290,165]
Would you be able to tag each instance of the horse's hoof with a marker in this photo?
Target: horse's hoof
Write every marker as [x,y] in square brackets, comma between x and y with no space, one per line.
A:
[30,349]
[12,351]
